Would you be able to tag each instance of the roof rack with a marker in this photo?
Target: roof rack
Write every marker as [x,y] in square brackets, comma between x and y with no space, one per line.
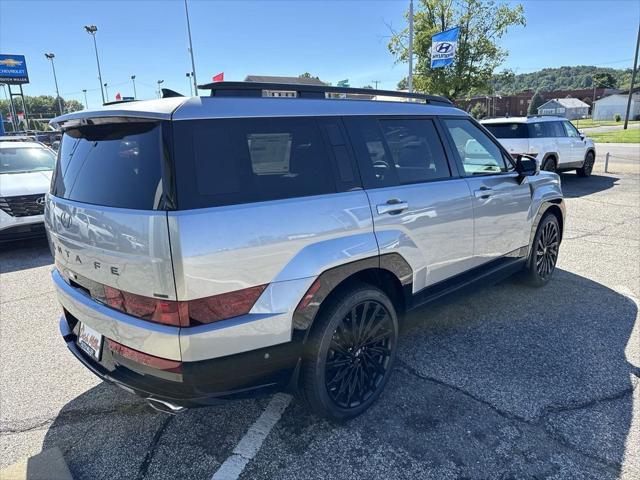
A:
[255,89]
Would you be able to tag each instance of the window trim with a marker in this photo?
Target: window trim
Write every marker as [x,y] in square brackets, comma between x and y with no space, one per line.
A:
[509,162]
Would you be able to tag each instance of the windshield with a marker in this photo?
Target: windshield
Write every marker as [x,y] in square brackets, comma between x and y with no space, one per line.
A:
[507,130]
[29,159]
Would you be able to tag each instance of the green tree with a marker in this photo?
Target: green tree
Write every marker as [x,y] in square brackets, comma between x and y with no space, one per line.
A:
[604,80]
[536,101]
[482,23]
[478,110]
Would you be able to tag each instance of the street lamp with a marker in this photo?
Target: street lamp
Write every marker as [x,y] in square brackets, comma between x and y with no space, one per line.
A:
[91,30]
[51,56]
[106,91]
[160,82]
[189,82]
[133,79]
[86,104]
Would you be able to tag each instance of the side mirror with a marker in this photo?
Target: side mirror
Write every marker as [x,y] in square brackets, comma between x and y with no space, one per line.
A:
[527,166]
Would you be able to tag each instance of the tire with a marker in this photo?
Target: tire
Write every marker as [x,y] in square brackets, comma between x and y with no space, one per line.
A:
[549,165]
[587,166]
[544,252]
[346,369]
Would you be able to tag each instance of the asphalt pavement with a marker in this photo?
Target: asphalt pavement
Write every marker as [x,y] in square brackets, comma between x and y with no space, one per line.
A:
[504,382]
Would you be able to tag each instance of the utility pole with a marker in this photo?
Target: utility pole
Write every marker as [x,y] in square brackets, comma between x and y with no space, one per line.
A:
[633,79]
[91,30]
[375,82]
[133,79]
[193,63]
[106,91]
[410,79]
[51,56]
[160,82]
[86,104]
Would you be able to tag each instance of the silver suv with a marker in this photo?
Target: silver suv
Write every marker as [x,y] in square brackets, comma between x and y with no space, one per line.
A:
[222,246]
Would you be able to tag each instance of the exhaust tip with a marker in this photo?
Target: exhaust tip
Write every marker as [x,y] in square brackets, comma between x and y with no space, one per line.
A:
[165,407]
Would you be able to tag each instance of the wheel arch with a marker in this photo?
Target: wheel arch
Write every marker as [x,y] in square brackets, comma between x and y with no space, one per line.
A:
[548,155]
[554,206]
[389,272]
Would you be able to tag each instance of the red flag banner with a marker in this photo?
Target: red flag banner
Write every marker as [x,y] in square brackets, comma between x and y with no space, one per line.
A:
[118,96]
[219,77]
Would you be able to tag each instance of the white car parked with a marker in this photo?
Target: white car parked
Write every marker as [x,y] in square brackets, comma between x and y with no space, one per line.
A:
[554,141]
[25,177]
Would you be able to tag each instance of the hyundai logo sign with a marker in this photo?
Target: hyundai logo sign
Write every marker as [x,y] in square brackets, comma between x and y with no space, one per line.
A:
[444,47]
[40,200]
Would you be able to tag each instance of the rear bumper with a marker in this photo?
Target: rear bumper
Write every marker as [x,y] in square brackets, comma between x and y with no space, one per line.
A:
[199,383]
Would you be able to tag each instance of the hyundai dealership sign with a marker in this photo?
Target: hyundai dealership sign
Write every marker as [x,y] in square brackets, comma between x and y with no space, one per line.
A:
[13,69]
[443,47]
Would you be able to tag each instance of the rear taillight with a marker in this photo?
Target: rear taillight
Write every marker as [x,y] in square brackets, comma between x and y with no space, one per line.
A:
[144,358]
[184,314]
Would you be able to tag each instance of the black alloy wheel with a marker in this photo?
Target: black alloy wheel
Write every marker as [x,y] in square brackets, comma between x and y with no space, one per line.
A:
[549,165]
[359,354]
[350,352]
[547,250]
[587,166]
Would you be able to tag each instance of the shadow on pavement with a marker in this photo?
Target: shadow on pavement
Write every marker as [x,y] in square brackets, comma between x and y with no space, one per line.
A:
[505,382]
[575,186]
[15,256]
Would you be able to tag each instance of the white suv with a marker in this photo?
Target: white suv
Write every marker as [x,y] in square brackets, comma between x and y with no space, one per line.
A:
[25,176]
[554,141]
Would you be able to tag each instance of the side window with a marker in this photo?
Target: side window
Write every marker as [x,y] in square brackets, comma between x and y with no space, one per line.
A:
[416,150]
[570,129]
[479,155]
[376,165]
[233,161]
[538,130]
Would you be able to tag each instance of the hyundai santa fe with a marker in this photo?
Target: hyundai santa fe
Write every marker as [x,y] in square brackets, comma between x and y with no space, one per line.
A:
[554,141]
[222,246]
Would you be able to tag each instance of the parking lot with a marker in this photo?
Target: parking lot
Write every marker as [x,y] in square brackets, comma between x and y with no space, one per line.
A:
[505,382]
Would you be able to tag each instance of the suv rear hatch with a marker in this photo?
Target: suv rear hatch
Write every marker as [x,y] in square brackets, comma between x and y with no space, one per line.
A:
[107,224]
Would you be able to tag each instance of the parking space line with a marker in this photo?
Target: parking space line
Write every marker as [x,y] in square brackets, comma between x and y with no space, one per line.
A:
[250,443]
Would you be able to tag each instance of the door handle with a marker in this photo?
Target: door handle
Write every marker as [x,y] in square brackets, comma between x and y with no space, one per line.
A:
[483,192]
[392,207]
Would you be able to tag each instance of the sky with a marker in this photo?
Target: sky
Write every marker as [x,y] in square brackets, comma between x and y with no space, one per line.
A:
[333,39]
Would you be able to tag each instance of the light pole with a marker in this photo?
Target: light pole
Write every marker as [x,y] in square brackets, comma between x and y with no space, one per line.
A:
[193,62]
[133,79]
[160,82]
[91,30]
[376,82]
[410,79]
[189,82]
[106,91]
[86,104]
[51,56]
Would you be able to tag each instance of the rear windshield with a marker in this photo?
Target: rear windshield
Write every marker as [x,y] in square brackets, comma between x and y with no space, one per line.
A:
[507,130]
[117,165]
[29,159]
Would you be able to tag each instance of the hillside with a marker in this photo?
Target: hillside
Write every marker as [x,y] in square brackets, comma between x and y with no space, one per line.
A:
[562,78]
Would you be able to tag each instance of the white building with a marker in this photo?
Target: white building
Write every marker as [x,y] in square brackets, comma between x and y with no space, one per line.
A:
[570,108]
[608,107]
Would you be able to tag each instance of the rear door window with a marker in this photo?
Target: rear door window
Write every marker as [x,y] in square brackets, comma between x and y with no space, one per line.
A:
[416,150]
[231,161]
[116,165]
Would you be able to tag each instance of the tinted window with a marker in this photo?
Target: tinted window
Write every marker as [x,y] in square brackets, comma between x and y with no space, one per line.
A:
[478,153]
[415,148]
[507,130]
[222,162]
[29,159]
[376,166]
[111,165]
[570,130]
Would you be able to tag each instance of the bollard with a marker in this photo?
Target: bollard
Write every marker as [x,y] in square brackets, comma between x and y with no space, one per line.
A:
[606,163]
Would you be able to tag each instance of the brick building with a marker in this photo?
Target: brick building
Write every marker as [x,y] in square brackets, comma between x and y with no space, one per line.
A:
[517,105]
